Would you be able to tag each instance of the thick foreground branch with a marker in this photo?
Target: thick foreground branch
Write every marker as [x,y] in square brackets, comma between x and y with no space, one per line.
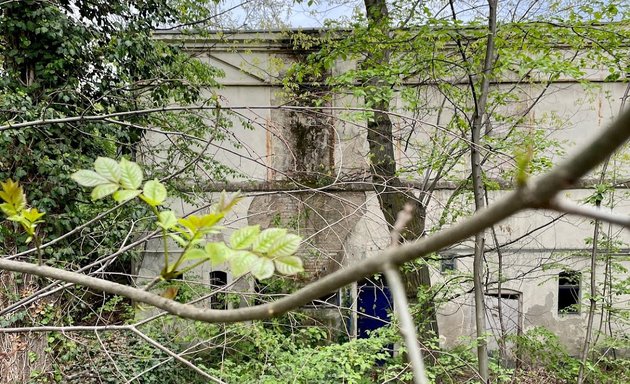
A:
[537,194]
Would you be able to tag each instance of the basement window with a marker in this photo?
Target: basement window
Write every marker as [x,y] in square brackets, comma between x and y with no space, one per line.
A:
[569,292]
[218,280]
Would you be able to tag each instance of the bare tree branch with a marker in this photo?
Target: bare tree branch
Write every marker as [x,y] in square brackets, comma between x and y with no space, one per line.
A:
[175,356]
[407,327]
[401,306]
[566,206]
[536,194]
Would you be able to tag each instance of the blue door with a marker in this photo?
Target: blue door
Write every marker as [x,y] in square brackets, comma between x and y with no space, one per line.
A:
[374,304]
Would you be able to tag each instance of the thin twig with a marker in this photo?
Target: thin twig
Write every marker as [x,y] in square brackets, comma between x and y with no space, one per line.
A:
[407,327]
[566,206]
[401,306]
[175,356]
[401,222]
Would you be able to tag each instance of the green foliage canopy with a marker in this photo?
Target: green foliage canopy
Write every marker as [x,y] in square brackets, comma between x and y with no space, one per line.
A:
[73,58]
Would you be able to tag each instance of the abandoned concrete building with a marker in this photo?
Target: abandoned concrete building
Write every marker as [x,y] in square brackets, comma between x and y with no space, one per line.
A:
[284,150]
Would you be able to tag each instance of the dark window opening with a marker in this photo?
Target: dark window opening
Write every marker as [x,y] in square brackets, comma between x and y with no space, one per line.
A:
[448,263]
[504,295]
[328,300]
[569,292]
[218,280]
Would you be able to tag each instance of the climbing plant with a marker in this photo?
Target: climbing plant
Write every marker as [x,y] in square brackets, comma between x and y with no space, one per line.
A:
[64,59]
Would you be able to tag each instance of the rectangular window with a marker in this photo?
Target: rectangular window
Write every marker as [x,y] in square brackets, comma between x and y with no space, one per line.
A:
[569,292]
[218,280]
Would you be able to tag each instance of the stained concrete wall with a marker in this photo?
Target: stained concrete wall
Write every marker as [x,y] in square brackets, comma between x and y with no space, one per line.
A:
[342,227]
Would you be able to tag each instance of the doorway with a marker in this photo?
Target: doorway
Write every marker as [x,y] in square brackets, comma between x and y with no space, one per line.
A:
[508,323]
[374,304]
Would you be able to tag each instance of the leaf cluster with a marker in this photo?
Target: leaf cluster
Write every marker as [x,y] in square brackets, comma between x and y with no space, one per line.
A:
[15,208]
[74,58]
[249,250]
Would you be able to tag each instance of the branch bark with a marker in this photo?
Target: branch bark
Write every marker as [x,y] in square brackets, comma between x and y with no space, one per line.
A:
[565,206]
[407,326]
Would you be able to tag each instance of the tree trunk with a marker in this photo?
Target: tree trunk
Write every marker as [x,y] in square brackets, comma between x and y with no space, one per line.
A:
[391,196]
[479,190]
[24,71]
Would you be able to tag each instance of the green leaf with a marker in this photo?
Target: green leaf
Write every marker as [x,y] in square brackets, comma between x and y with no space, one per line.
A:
[195,241]
[8,209]
[226,202]
[167,219]
[207,223]
[13,195]
[267,238]
[28,227]
[87,178]
[33,215]
[103,190]
[125,194]
[131,174]
[285,246]
[187,224]
[108,168]
[241,262]
[244,237]
[182,243]
[201,224]
[218,253]
[18,219]
[195,253]
[154,193]
[523,159]
[262,268]
[288,265]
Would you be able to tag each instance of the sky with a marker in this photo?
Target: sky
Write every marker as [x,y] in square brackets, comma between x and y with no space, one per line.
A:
[246,14]
[303,15]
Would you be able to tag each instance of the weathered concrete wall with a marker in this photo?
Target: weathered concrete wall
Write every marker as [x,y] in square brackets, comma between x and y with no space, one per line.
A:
[536,247]
[324,220]
[320,146]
